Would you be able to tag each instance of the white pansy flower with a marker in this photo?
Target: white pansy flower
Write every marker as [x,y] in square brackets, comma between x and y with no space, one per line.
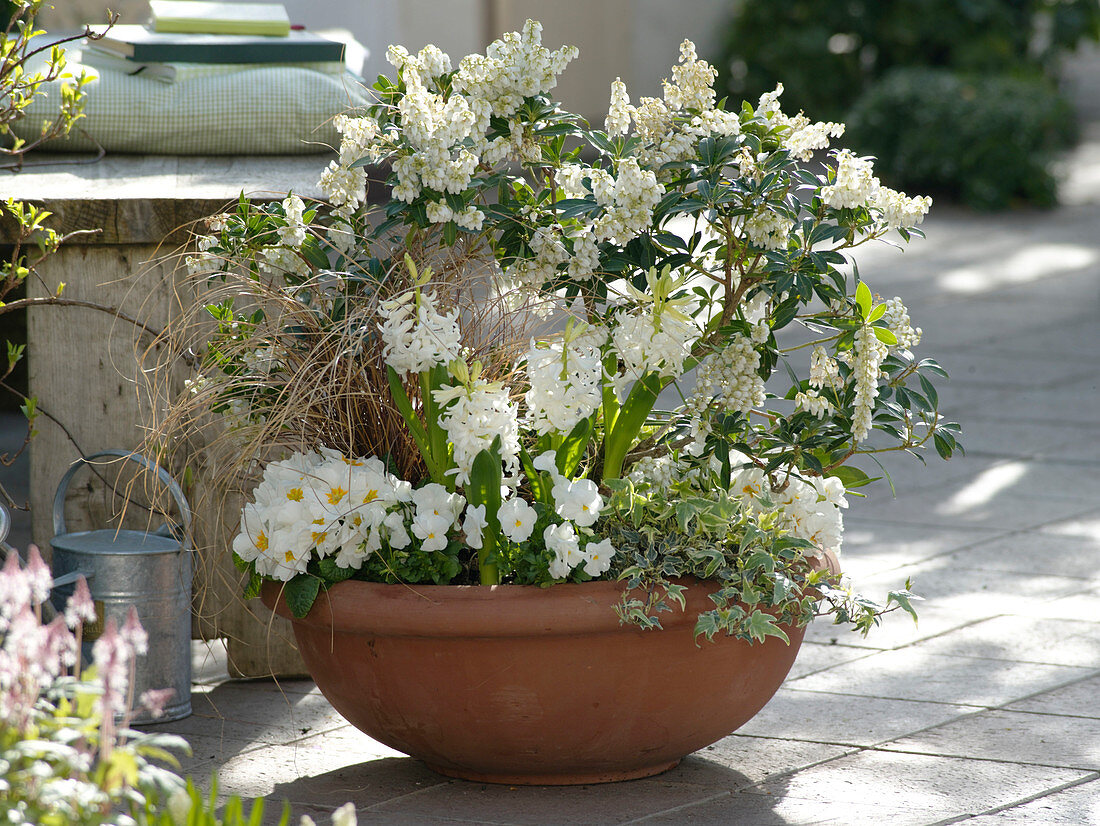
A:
[562,540]
[597,557]
[474,524]
[517,519]
[578,501]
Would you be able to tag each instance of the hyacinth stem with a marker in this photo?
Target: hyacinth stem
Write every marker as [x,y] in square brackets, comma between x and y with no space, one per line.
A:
[490,574]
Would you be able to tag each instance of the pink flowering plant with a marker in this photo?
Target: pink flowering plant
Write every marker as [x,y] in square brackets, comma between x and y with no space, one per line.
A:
[66,753]
[636,350]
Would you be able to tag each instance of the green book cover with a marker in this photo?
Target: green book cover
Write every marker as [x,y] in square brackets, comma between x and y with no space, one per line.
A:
[207,17]
[144,45]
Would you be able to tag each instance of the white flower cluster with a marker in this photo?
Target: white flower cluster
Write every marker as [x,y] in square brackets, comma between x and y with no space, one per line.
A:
[692,85]
[471,218]
[294,233]
[809,507]
[647,341]
[512,68]
[897,319]
[321,501]
[566,378]
[823,368]
[899,210]
[416,335]
[628,200]
[578,503]
[867,358]
[814,403]
[731,376]
[768,229]
[473,418]
[854,184]
[671,128]
[617,121]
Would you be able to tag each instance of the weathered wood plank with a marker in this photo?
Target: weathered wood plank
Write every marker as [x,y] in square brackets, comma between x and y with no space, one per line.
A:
[141,199]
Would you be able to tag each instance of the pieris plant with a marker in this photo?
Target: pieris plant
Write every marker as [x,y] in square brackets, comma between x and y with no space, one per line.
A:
[563,351]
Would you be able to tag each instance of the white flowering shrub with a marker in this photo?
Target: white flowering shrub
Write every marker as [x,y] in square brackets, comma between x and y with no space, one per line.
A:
[560,353]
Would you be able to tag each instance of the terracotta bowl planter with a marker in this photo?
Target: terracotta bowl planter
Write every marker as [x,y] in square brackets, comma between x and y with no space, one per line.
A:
[523,685]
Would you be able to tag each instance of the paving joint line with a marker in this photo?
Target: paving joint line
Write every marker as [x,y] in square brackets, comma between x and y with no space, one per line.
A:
[1021,802]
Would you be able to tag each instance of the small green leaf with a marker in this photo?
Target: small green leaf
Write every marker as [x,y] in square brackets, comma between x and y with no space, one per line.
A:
[300,593]
[863,300]
[885,336]
[903,599]
[877,313]
[760,625]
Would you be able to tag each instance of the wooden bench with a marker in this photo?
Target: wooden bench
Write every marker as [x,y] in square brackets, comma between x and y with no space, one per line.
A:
[83,364]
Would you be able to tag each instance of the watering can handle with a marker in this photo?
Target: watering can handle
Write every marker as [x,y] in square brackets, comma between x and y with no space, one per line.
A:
[162,475]
[5,523]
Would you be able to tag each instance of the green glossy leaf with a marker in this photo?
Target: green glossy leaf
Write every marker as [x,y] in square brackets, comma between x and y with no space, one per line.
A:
[300,593]
[863,300]
[760,625]
[885,336]
[573,448]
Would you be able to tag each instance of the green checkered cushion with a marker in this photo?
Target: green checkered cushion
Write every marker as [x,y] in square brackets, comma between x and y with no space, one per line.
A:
[241,110]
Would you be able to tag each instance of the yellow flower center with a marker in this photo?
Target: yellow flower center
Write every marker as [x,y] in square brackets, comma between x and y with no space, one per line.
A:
[336,494]
[289,556]
[318,536]
[370,497]
[261,541]
[294,494]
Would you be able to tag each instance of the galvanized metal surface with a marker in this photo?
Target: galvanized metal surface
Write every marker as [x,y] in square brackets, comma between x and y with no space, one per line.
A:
[127,568]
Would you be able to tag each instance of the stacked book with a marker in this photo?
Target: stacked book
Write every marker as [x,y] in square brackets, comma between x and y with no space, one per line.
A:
[195,38]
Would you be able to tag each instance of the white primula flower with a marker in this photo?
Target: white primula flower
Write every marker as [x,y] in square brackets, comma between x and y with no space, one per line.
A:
[436,501]
[473,525]
[517,519]
[562,540]
[431,531]
[578,501]
[597,557]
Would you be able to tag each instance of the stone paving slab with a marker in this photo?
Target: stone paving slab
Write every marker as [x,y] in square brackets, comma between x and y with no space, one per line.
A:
[1080,699]
[911,788]
[1013,737]
[1024,639]
[837,718]
[1078,805]
[908,674]
[1029,553]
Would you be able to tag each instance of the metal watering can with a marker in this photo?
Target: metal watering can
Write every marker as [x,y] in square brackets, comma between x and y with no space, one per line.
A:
[151,571]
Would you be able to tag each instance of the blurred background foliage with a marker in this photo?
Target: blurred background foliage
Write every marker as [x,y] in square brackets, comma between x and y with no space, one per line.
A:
[971,81]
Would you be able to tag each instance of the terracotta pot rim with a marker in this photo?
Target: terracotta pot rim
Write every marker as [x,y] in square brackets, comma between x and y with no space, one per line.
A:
[477,610]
